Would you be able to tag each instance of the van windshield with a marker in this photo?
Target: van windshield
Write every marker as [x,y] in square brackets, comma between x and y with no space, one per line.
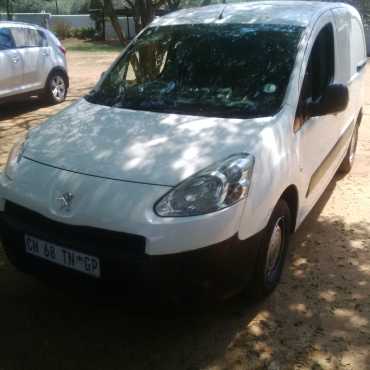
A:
[220,70]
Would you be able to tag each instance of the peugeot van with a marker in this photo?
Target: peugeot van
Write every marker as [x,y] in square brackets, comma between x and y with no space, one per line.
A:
[198,153]
[32,62]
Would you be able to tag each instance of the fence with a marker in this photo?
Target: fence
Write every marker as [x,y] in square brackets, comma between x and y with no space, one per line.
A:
[74,21]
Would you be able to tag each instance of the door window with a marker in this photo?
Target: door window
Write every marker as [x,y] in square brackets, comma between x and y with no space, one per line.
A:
[28,38]
[6,40]
[19,37]
[319,73]
[33,38]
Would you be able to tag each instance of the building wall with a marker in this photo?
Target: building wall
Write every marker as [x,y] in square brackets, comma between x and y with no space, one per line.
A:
[74,21]
[41,19]
[128,27]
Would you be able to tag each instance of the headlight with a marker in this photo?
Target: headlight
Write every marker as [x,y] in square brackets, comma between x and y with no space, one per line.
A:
[14,158]
[216,187]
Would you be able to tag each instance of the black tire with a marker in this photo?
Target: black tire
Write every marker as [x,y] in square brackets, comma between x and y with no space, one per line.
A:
[56,88]
[266,277]
[349,159]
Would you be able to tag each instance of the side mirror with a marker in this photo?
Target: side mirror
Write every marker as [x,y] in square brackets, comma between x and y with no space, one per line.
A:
[334,100]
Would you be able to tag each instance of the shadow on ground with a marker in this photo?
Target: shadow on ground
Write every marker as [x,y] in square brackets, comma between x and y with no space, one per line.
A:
[13,109]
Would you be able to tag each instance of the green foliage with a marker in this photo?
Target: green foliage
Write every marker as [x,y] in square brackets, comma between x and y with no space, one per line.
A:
[80,7]
[65,31]
[49,6]
[92,46]
[84,33]
[62,30]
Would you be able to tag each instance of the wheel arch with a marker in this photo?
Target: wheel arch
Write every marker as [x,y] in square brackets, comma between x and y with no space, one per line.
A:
[290,195]
[61,70]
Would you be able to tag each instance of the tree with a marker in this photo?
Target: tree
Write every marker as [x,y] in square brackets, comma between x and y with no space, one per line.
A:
[111,13]
[8,5]
[49,6]
[80,7]
[143,12]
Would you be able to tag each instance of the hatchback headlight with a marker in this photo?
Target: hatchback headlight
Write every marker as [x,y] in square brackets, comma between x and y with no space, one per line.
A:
[216,187]
[14,157]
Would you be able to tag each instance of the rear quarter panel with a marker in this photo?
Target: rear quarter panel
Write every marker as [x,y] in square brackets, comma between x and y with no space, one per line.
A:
[57,58]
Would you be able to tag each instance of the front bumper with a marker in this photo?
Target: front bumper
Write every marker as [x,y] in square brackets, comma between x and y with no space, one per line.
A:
[223,266]
[120,206]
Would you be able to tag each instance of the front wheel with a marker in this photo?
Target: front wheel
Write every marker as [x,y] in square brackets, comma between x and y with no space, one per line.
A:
[56,88]
[272,253]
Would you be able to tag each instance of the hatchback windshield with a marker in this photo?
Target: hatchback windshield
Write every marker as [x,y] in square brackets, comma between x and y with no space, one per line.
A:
[221,70]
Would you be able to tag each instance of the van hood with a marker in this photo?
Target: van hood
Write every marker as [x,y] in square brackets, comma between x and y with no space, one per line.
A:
[145,147]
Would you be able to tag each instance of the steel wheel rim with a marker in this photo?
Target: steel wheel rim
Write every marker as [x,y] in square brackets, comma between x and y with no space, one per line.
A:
[353,146]
[58,88]
[275,250]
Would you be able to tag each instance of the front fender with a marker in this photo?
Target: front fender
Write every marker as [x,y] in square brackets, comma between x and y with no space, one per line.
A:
[274,171]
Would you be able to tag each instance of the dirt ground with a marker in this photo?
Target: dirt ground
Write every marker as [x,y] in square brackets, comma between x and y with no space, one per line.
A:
[318,318]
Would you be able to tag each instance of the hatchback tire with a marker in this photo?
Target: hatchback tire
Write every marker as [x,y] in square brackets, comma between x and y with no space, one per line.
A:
[272,252]
[349,159]
[56,88]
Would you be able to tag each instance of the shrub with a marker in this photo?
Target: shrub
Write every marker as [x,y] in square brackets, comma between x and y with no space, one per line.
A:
[62,30]
[83,33]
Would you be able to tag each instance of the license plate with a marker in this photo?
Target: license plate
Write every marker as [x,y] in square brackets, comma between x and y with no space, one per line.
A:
[62,256]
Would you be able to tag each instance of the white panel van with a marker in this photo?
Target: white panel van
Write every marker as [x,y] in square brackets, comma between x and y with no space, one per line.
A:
[198,153]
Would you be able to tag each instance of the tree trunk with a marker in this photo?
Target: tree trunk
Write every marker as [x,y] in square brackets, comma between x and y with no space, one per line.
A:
[143,14]
[8,15]
[109,11]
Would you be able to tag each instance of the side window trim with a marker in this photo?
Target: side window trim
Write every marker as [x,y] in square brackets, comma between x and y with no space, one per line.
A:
[44,39]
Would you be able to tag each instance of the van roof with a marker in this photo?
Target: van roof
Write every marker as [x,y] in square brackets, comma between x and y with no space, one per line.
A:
[299,13]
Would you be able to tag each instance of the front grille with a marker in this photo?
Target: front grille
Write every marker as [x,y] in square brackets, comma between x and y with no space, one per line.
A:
[96,240]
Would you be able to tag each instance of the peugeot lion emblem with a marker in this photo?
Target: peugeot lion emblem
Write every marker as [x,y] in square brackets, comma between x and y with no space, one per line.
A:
[65,201]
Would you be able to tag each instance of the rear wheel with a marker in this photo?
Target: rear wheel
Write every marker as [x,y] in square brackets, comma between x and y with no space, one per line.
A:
[56,88]
[349,159]
[272,253]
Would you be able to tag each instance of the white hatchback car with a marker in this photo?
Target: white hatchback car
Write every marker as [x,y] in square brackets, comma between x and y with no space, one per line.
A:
[199,152]
[33,62]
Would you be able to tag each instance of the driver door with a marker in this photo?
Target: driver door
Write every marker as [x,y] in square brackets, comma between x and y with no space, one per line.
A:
[316,136]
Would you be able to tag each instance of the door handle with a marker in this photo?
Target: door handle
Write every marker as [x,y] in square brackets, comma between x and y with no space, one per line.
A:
[15,59]
[45,53]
